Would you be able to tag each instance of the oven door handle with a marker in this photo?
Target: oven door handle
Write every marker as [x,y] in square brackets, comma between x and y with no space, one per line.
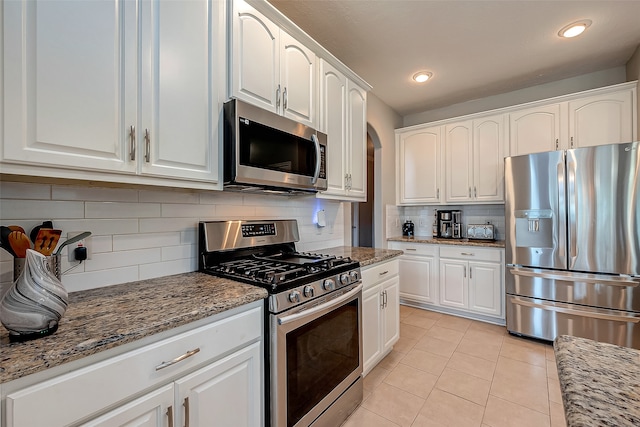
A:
[316,309]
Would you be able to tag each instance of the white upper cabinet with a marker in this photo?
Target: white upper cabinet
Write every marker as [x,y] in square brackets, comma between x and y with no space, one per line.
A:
[270,68]
[458,142]
[602,119]
[489,151]
[418,166]
[343,117]
[70,83]
[113,86]
[534,130]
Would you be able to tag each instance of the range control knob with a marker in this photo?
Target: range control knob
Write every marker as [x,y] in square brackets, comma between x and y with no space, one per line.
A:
[294,296]
[309,291]
[344,279]
[328,285]
[355,276]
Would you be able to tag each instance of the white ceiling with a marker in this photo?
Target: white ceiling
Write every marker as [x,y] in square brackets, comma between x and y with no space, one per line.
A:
[474,48]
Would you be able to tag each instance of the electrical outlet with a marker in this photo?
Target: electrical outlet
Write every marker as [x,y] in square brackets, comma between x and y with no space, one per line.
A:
[86,242]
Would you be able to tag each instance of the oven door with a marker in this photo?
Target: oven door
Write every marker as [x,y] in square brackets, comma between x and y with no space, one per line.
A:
[316,355]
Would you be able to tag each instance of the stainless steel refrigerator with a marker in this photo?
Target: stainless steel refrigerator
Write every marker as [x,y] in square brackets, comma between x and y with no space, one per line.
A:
[573,244]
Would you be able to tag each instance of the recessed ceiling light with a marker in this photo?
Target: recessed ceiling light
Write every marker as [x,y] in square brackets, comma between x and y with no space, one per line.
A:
[574,29]
[422,76]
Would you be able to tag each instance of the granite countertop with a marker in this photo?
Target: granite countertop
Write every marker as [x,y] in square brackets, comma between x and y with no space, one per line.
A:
[366,256]
[439,241]
[103,318]
[600,382]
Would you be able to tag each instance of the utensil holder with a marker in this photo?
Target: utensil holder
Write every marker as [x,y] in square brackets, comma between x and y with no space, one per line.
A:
[53,265]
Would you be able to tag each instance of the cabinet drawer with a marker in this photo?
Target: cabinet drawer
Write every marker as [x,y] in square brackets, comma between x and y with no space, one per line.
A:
[81,393]
[471,253]
[415,248]
[379,272]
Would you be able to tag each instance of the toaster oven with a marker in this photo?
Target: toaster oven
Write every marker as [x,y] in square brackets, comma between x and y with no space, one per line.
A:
[481,232]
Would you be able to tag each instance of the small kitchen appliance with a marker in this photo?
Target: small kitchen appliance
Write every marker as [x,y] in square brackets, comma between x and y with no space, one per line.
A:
[449,225]
[481,232]
[408,229]
[313,317]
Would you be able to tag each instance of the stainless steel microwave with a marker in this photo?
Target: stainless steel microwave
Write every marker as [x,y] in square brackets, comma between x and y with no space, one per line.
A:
[264,151]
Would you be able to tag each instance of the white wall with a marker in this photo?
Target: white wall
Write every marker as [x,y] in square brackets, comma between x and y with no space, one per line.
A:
[561,87]
[142,233]
[382,121]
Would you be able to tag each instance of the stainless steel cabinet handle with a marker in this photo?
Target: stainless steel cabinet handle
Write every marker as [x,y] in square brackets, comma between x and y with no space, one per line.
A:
[467,253]
[147,145]
[284,99]
[410,249]
[557,144]
[186,411]
[465,271]
[170,415]
[382,299]
[132,142]
[177,359]
[469,192]
[384,272]
[278,98]
[470,273]
[571,142]
[559,309]
[475,192]
[438,194]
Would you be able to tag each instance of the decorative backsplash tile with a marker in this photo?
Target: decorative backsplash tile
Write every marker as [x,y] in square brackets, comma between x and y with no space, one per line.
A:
[140,233]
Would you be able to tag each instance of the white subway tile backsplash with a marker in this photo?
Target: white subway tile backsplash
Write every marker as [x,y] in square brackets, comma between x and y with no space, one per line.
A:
[37,209]
[147,240]
[121,210]
[142,233]
[22,190]
[68,192]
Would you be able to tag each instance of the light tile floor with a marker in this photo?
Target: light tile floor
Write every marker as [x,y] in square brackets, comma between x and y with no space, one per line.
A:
[451,371]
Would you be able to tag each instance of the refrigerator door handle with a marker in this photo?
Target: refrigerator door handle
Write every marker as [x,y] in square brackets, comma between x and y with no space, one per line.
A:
[561,203]
[576,277]
[573,210]
[564,308]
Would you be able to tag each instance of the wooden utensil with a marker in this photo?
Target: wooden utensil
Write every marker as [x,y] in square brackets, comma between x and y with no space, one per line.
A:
[36,229]
[19,243]
[46,240]
[17,228]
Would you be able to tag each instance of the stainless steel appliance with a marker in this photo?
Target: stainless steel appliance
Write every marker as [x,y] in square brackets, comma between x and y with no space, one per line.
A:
[573,244]
[481,232]
[264,151]
[449,224]
[314,312]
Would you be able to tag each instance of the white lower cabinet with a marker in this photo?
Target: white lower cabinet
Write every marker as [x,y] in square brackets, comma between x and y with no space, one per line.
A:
[418,272]
[209,375]
[380,312]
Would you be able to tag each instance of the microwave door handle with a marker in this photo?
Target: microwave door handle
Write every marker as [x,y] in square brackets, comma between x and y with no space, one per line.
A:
[316,174]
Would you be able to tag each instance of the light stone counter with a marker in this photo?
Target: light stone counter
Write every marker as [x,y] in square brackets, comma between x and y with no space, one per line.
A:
[600,382]
[439,241]
[366,256]
[104,318]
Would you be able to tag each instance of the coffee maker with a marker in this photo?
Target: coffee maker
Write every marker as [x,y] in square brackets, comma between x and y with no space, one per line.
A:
[449,224]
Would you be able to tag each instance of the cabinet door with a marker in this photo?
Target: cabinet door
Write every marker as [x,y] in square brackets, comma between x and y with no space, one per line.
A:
[333,114]
[180,75]
[371,321]
[418,166]
[256,58]
[485,288]
[226,393]
[488,159]
[151,410]
[601,119]
[535,130]
[416,278]
[70,87]
[298,80]
[453,283]
[391,313]
[459,165]
[357,141]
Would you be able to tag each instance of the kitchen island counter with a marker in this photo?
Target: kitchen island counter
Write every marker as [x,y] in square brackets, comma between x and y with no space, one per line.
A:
[439,241]
[105,318]
[599,382]
[366,256]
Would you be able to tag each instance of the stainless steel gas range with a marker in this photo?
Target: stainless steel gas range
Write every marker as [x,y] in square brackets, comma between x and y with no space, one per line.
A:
[314,317]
